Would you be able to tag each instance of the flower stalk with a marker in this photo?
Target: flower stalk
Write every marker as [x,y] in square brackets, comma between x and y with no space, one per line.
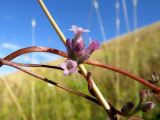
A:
[99,96]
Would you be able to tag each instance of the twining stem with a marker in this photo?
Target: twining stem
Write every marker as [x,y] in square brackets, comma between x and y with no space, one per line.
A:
[82,68]
[12,64]
[17,66]
[90,62]
[42,65]
[34,49]
[126,73]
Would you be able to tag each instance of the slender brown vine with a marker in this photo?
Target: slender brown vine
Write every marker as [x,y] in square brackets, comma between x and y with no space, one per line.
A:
[91,62]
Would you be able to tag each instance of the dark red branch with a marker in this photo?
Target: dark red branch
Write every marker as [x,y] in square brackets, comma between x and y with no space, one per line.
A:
[41,65]
[15,65]
[12,64]
[126,73]
[91,62]
[34,49]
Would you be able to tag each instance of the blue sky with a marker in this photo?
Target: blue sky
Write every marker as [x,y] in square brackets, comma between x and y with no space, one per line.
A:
[16,16]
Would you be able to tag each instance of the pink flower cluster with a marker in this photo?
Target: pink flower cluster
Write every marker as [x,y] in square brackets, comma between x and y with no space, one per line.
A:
[76,50]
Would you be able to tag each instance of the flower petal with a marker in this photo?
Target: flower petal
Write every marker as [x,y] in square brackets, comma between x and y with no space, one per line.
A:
[93,45]
[78,30]
[73,70]
[83,57]
[78,42]
[63,65]
[66,72]
[69,67]
[74,63]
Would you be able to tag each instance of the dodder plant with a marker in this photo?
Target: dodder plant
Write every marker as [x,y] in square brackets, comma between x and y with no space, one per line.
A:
[77,55]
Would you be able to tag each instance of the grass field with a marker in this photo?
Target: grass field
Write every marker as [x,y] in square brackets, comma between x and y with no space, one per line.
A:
[139,53]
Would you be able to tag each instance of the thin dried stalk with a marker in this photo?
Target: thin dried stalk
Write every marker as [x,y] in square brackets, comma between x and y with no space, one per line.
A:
[81,67]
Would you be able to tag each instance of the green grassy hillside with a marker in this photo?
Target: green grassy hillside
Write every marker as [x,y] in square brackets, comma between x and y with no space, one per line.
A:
[24,97]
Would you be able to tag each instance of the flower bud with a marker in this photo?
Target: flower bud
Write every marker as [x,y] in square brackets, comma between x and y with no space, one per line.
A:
[146,106]
[127,107]
[154,78]
[143,94]
[76,48]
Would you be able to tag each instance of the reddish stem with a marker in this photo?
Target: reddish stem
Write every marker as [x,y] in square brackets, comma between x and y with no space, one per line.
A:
[16,65]
[12,64]
[34,49]
[91,62]
[126,73]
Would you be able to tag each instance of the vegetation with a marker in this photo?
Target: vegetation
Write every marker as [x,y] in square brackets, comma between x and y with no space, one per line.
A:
[20,100]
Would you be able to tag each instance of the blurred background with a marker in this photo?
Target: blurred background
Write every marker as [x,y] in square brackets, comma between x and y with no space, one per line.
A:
[129,33]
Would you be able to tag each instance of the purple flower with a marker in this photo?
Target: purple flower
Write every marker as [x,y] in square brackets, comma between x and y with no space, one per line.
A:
[78,31]
[92,46]
[69,48]
[76,47]
[69,67]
